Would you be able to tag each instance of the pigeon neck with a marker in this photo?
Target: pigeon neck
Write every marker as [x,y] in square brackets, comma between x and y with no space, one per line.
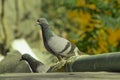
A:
[33,63]
[46,32]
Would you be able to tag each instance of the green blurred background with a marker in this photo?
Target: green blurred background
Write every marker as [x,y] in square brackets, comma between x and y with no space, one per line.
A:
[93,25]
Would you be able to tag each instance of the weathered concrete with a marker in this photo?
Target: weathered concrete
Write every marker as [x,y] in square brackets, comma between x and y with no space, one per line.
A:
[12,64]
[62,76]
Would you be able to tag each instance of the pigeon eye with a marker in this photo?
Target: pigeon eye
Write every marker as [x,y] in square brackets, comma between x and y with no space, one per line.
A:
[38,20]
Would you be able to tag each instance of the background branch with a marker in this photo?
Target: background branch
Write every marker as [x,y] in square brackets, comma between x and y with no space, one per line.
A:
[4,46]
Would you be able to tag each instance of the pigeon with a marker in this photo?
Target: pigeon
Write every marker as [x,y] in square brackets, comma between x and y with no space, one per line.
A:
[56,45]
[35,65]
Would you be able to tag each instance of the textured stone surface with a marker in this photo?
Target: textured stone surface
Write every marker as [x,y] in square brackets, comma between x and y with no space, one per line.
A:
[62,76]
[12,64]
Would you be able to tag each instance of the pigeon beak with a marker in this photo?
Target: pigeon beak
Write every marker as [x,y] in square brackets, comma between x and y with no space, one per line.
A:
[38,22]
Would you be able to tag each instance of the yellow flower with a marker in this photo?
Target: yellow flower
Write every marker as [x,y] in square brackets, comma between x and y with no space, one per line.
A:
[89,50]
[81,3]
[118,1]
[85,18]
[79,17]
[91,6]
[113,36]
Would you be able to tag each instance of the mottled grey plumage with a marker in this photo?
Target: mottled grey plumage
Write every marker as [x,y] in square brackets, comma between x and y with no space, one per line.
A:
[56,45]
[35,65]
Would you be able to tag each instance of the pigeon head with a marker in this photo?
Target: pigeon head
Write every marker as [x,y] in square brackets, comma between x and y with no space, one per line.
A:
[25,57]
[41,21]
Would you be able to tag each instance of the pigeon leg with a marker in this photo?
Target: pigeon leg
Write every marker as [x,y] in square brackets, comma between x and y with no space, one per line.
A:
[59,58]
[57,66]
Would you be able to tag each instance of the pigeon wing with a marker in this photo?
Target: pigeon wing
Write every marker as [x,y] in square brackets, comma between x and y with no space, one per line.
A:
[59,45]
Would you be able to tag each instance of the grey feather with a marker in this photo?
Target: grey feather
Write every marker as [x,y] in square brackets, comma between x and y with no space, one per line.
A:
[35,65]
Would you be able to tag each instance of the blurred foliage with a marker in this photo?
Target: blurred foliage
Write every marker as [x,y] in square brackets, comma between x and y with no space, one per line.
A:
[17,20]
[93,25]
